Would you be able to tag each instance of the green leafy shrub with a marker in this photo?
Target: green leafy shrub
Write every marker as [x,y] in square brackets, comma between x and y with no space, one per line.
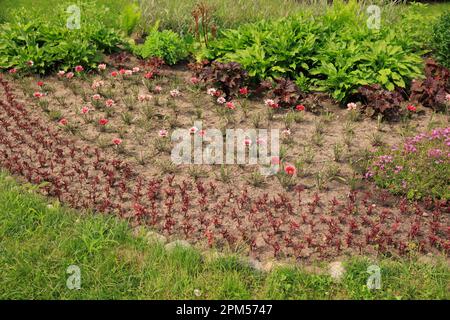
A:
[420,168]
[441,39]
[166,44]
[51,45]
[131,16]
[335,52]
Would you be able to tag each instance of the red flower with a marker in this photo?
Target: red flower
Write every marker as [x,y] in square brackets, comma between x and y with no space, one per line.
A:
[103,122]
[79,68]
[117,141]
[290,170]
[411,108]
[122,71]
[230,105]
[148,75]
[243,91]
[218,93]
[300,107]
[40,83]
[114,74]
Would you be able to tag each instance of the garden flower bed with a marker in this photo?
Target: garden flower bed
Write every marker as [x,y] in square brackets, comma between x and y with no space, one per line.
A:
[101,141]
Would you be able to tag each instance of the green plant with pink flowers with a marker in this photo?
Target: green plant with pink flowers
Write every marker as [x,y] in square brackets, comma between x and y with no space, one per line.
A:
[419,168]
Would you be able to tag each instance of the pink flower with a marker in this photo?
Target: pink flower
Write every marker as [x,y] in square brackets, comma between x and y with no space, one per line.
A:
[275,161]
[300,107]
[398,169]
[211,91]
[38,94]
[144,97]
[97,84]
[128,72]
[202,133]
[447,97]
[247,141]
[290,170]
[79,68]
[61,73]
[102,67]
[136,69]
[175,93]
[435,153]
[158,89]
[352,106]
[163,133]
[85,110]
[221,100]
[103,122]
[30,63]
[109,103]
[148,75]
[195,80]
[193,130]
[69,75]
[63,122]
[122,71]
[12,71]
[230,105]
[117,141]
[260,141]
[114,74]
[411,108]
[96,97]
[271,103]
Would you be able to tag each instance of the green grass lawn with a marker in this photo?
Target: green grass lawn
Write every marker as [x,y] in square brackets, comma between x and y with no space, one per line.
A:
[7,7]
[39,241]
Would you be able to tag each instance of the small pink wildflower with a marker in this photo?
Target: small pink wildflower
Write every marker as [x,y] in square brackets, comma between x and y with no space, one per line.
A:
[109,103]
[193,130]
[221,100]
[163,133]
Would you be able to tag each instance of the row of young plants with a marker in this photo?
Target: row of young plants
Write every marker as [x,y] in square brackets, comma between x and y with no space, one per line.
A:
[283,225]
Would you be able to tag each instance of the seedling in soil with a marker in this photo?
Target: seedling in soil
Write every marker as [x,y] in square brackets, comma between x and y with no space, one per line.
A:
[127,118]
[338,151]
[256,120]
[256,179]
[224,174]
[196,172]
[318,138]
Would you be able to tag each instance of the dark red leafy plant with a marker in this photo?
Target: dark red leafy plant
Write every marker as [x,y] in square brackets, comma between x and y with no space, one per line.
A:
[380,101]
[431,92]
